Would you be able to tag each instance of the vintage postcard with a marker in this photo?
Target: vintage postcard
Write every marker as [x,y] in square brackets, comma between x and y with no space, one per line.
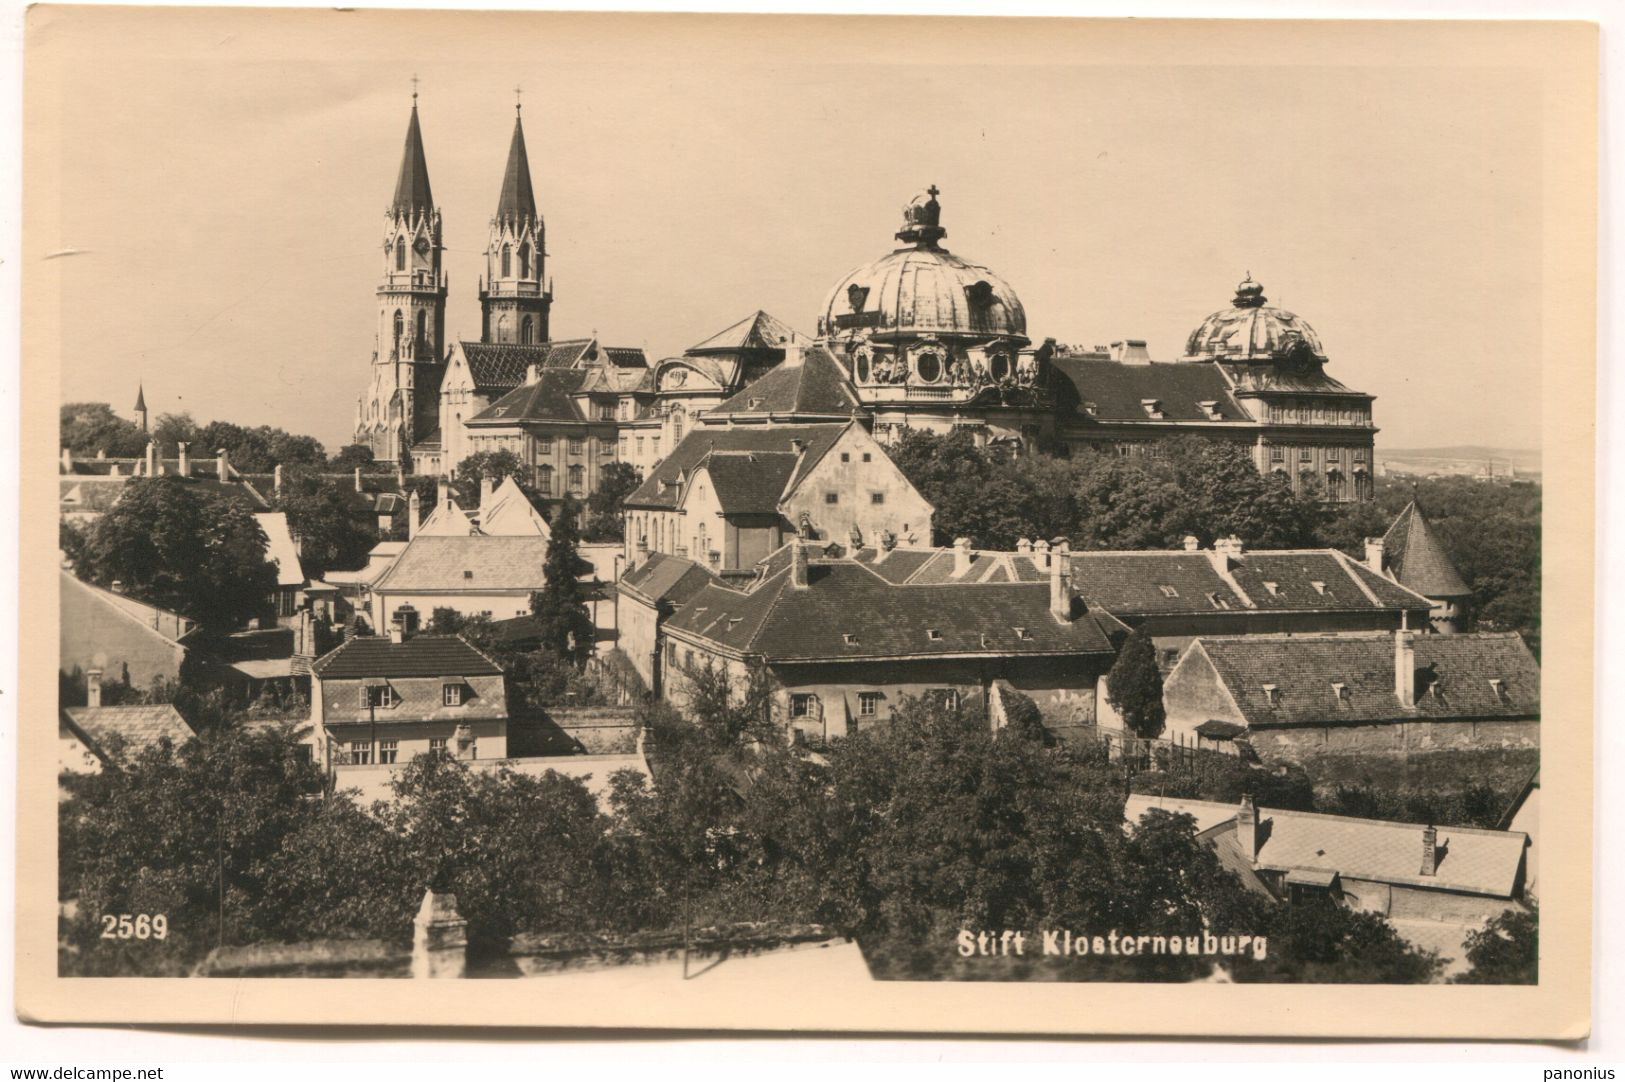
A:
[819,523]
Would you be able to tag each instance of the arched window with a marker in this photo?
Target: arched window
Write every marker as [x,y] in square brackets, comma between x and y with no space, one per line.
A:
[423,326]
[400,253]
[524,260]
[525,330]
[578,479]
[544,480]
[676,427]
[400,327]
[507,261]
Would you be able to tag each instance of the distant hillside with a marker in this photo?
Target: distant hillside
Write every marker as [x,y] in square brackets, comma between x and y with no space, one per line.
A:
[1458,458]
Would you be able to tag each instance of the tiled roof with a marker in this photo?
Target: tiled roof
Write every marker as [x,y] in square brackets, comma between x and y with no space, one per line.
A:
[421,655]
[848,611]
[1153,583]
[1470,860]
[90,493]
[548,399]
[1207,813]
[626,357]
[939,566]
[749,482]
[659,489]
[473,563]
[412,186]
[665,578]
[1119,391]
[1417,558]
[756,331]
[139,727]
[814,387]
[502,366]
[517,202]
[1454,674]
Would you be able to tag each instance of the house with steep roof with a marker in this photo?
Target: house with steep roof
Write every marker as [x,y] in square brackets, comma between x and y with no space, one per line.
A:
[1295,697]
[728,496]
[1411,554]
[129,641]
[385,699]
[652,589]
[95,736]
[845,642]
[473,574]
[282,551]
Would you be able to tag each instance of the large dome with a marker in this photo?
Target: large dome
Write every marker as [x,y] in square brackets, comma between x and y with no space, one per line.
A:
[922,290]
[1249,330]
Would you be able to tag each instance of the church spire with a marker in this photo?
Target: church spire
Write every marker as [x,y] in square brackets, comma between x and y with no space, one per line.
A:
[412,188]
[517,201]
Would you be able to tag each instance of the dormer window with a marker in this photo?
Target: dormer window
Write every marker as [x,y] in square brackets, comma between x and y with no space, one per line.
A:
[1274,588]
[933,634]
[1341,693]
[1217,602]
[1089,407]
[1320,587]
[1272,694]
[453,693]
[849,639]
[1153,408]
[1211,411]
[1499,687]
[1023,634]
[1168,591]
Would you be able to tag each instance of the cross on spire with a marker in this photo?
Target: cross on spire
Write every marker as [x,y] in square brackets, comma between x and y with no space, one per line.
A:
[414,89]
[518,93]
[933,191]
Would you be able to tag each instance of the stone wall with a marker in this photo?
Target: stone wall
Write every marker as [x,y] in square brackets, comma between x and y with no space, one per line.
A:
[1400,737]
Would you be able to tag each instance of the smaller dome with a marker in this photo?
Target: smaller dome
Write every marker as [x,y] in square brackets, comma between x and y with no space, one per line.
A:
[1250,330]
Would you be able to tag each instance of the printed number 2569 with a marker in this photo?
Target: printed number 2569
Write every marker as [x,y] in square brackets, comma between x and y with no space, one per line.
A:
[138,926]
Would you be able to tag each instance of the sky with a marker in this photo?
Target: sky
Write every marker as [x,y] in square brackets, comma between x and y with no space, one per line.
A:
[222,179]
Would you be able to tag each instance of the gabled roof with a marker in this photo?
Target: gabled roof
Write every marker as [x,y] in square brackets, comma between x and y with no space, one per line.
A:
[849,612]
[1453,677]
[1469,860]
[940,566]
[749,482]
[516,202]
[1119,391]
[1207,813]
[756,331]
[814,387]
[548,399]
[169,626]
[421,655]
[138,727]
[497,366]
[662,578]
[1417,558]
[509,513]
[475,564]
[660,489]
[412,186]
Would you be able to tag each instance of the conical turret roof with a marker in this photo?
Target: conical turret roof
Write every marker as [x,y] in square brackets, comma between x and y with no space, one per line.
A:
[517,201]
[412,188]
[1417,558]
[140,398]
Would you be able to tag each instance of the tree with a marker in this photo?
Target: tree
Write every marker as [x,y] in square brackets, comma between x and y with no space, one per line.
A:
[1134,686]
[180,546]
[492,466]
[352,455]
[322,517]
[1318,941]
[560,607]
[1506,950]
[89,428]
[616,481]
[262,448]
[173,429]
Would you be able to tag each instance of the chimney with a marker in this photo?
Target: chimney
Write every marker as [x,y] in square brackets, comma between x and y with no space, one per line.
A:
[1060,581]
[93,689]
[1024,547]
[276,479]
[792,354]
[185,460]
[1041,549]
[400,475]
[152,458]
[1430,850]
[1247,828]
[413,505]
[485,490]
[798,446]
[1373,554]
[67,460]
[798,566]
[1404,668]
[533,375]
[397,633]
[1191,543]
[442,497]
[1225,550]
[358,487]
[223,465]
[961,556]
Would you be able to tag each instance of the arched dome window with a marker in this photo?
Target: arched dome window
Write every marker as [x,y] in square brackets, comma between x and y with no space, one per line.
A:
[928,365]
[524,261]
[507,261]
[526,327]
[400,253]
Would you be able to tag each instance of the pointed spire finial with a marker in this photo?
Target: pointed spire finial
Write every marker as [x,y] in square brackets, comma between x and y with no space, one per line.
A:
[414,90]
[518,96]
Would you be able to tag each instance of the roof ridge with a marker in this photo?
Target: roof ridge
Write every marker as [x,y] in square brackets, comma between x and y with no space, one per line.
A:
[1396,824]
[1344,561]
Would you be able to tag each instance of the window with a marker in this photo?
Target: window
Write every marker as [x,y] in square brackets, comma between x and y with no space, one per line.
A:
[1023,634]
[606,446]
[1341,693]
[877,497]
[676,427]
[832,497]
[1320,587]
[803,706]
[527,330]
[640,446]
[400,327]
[850,639]
[381,696]
[1273,588]
[437,745]
[1499,687]
[360,753]
[1359,454]
[1335,454]
[947,697]
[544,480]
[473,749]
[423,326]
[868,704]
[544,445]
[933,634]
[626,409]
[623,446]
[866,456]
[524,262]
[845,457]
[1168,591]
[606,411]
[654,446]
[507,261]
[400,253]
[1277,454]
[1272,694]
[453,694]
[578,479]
[388,750]
[578,445]
[1305,454]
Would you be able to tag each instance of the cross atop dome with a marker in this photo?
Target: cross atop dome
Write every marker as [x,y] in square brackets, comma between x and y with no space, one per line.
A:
[921,218]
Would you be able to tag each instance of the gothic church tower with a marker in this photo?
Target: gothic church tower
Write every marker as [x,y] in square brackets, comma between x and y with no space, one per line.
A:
[514,300]
[402,404]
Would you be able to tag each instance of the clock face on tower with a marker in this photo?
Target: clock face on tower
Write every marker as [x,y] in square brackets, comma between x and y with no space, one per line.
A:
[422,246]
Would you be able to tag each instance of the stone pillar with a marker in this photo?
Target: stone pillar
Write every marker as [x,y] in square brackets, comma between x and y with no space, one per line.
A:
[439,938]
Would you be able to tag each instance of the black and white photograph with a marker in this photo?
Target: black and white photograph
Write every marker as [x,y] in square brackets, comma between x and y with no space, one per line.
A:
[615,510]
